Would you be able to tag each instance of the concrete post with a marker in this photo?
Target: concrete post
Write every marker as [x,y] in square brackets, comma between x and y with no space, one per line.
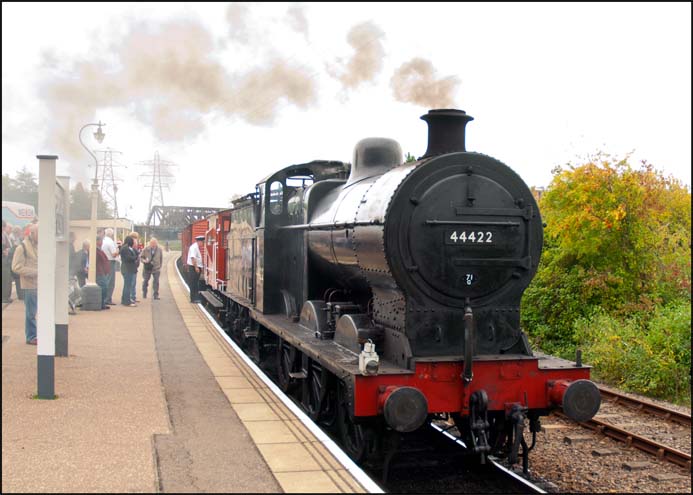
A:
[62,261]
[45,320]
[91,276]
[91,292]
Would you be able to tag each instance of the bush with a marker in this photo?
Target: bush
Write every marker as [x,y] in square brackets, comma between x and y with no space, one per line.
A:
[616,239]
[651,357]
[615,275]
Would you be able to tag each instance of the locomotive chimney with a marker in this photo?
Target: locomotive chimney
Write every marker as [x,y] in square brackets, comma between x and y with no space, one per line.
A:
[445,131]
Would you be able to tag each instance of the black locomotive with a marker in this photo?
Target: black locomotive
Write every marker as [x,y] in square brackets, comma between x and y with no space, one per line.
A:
[384,294]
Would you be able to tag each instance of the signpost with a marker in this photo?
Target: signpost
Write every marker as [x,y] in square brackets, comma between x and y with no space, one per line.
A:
[45,319]
[62,238]
[53,254]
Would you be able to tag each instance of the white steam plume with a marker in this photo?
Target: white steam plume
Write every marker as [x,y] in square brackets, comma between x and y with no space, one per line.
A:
[416,82]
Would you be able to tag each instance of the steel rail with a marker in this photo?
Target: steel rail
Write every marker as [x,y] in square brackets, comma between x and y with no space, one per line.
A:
[516,478]
[661,451]
[649,407]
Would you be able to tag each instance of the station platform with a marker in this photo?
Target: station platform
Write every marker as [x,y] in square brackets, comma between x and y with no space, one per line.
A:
[154,399]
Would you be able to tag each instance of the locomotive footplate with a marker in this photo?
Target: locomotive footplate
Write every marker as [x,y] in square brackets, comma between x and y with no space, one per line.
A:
[333,356]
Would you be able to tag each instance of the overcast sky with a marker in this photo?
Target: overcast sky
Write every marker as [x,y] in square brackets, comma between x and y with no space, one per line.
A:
[232,92]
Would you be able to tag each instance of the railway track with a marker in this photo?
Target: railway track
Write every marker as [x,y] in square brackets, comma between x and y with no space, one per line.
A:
[661,451]
[514,480]
[435,461]
[647,407]
[645,442]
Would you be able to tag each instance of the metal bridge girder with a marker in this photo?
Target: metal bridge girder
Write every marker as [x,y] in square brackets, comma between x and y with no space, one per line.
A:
[177,217]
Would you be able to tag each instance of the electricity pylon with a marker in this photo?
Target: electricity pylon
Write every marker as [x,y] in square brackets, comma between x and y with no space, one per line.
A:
[161,177]
[107,180]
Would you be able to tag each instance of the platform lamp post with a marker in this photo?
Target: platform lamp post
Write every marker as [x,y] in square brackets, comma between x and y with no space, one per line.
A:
[92,299]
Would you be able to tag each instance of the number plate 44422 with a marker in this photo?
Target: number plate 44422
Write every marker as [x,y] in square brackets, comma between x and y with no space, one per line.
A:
[457,237]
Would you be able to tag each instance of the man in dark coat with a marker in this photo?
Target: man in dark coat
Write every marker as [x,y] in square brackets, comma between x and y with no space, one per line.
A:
[152,259]
[128,268]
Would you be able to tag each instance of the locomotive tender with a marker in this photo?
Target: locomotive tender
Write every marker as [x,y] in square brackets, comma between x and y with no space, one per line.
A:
[384,293]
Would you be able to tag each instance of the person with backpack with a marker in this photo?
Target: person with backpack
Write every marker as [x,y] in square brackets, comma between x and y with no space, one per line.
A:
[25,263]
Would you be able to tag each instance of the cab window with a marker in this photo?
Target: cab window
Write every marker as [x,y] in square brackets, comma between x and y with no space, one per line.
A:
[276,198]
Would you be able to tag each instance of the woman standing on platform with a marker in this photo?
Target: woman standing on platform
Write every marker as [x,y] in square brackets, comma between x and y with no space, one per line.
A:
[128,258]
[138,249]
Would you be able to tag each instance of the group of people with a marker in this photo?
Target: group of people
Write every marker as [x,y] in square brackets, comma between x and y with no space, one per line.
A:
[20,260]
[129,254]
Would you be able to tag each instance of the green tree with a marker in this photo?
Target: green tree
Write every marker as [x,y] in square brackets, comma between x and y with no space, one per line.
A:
[409,158]
[23,188]
[80,204]
[617,240]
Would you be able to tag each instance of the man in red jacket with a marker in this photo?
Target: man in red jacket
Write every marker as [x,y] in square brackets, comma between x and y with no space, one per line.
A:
[103,271]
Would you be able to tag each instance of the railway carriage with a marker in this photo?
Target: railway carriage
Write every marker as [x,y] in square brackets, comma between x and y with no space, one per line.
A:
[215,246]
[382,294]
[189,233]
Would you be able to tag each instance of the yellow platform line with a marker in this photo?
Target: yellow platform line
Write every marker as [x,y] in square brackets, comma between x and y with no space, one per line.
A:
[297,459]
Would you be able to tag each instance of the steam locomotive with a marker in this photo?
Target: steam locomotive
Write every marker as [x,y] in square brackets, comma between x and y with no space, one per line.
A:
[383,294]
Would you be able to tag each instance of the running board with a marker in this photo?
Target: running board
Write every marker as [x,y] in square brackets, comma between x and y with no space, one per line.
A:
[212,299]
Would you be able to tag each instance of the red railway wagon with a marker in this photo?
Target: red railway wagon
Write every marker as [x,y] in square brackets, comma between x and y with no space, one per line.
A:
[214,257]
[185,237]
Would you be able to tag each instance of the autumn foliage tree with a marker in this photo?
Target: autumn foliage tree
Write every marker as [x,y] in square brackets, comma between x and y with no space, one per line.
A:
[617,240]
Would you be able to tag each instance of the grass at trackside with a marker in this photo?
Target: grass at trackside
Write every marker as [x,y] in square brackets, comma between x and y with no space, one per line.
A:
[172,245]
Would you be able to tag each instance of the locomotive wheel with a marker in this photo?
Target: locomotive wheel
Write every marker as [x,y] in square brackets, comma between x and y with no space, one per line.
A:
[330,409]
[252,346]
[314,388]
[358,440]
[286,356]
[317,401]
